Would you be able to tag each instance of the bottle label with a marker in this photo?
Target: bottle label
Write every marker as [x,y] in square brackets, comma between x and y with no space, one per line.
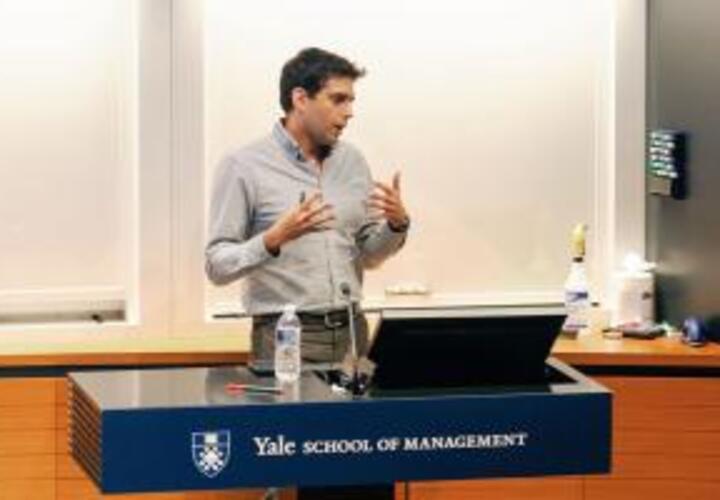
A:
[577,303]
[286,335]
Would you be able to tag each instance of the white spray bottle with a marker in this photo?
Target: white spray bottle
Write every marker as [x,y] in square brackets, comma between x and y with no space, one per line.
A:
[577,290]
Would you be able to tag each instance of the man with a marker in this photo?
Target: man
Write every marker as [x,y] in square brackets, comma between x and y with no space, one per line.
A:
[297,216]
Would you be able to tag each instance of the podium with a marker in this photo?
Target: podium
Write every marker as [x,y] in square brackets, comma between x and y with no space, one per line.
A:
[174,429]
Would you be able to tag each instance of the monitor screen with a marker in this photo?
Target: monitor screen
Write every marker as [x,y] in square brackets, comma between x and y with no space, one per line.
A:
[461,348]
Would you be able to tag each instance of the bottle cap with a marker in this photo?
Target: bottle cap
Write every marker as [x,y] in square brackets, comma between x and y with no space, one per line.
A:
[289,309]
[578,241]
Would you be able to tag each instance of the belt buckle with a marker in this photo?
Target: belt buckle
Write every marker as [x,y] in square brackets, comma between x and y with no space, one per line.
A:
[329,323]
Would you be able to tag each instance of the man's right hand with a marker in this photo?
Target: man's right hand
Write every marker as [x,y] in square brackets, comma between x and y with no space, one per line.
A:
[309,216]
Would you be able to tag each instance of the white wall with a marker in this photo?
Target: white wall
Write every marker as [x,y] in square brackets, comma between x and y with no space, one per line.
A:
[507,118]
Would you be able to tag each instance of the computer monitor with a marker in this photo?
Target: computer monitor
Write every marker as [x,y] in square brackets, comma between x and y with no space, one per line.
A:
[464,348]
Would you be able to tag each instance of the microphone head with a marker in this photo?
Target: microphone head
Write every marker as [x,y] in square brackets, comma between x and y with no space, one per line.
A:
[345,289]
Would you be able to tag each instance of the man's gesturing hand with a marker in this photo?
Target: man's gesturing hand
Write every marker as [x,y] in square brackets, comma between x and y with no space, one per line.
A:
[388,200]
[310,215]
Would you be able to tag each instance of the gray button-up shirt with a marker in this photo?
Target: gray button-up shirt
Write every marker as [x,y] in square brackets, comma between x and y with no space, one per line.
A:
[253,186]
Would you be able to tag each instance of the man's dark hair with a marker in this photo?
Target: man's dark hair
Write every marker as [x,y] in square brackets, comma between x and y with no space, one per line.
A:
[310,69]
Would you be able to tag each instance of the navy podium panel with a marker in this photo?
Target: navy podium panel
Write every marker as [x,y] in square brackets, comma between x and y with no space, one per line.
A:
[179,429]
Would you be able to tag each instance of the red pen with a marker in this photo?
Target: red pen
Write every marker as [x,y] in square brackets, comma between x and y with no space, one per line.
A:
[252,389]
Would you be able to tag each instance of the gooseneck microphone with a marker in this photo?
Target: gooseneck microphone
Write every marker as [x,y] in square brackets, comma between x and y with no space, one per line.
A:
[350,369]
[345,291]
[357,371]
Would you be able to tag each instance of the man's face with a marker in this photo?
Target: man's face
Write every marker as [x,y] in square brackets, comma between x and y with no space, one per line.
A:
[327,113]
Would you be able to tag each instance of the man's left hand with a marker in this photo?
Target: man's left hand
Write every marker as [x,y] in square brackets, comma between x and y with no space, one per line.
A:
[388,200]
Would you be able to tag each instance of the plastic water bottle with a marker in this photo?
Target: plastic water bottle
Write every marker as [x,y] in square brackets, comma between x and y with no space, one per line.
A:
[287,345]
[577,298]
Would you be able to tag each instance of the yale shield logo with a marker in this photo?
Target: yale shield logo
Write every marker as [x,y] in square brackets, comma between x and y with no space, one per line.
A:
[211,452]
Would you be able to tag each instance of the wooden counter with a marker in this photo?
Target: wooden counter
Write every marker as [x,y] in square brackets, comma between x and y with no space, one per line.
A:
[594,350]
[131,352]
[589,350]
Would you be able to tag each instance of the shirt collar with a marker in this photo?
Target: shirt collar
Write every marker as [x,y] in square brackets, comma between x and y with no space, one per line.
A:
[286,141]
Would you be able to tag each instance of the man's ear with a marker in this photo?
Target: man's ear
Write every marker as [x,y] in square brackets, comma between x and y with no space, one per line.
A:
[299,98]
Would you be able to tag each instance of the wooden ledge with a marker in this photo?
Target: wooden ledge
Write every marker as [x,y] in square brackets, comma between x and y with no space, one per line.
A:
[590,350]
[594,350]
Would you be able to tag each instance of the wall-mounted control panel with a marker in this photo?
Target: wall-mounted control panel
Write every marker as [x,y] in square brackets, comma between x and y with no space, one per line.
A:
[666,162]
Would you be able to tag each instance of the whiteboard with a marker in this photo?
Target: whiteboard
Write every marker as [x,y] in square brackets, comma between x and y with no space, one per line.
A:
[66,155]
[490,110]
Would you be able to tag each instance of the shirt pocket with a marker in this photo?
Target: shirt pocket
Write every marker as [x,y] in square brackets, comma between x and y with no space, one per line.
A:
[269,209]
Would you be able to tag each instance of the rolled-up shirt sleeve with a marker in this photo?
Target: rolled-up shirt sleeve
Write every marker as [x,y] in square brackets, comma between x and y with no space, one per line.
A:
[230,252]
[375,240]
